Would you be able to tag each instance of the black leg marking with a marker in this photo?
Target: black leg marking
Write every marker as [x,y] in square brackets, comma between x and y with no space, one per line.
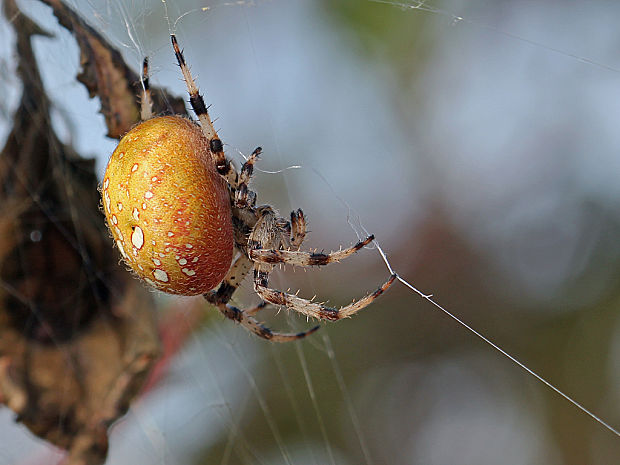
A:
[145,73]
[177,50]
[222,295]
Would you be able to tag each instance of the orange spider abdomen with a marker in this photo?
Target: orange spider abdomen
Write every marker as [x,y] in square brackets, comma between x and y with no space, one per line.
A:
[168,208]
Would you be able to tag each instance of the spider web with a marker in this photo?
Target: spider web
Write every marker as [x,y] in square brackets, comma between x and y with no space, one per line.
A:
[480,151]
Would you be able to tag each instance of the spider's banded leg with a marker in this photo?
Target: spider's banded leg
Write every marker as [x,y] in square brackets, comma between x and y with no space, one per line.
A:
[224,167]
[237,272]
[244,196]
[312,309]
[195,98]
[298,258]
[260,330]
[146,103]
[298,232]
[254,310]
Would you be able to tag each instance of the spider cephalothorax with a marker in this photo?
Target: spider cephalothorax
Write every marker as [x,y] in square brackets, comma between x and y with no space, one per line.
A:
[186,222]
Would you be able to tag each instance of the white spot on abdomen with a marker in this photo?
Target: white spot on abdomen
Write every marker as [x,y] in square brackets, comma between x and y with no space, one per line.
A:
[148,195]
[137,237]
[188,272]
[160,275]
[136,214]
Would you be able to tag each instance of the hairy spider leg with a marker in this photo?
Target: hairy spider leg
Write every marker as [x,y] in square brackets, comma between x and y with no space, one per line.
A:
[300,258]
[298,228]
[314,309]
[223,165]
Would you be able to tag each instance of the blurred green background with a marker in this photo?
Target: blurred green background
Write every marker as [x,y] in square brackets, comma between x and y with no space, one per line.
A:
[478,141]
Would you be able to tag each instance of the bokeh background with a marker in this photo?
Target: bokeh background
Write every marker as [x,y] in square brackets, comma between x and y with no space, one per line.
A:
[476,139]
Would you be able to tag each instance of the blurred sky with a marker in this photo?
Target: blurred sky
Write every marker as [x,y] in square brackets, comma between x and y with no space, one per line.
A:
[486,126]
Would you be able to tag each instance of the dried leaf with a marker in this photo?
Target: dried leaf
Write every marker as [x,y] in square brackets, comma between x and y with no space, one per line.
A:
[68,311]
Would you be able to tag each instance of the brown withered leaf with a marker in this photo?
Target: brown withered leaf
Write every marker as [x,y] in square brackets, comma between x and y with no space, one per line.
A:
[77,335]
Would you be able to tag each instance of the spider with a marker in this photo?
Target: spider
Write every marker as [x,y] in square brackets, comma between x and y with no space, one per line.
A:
[185,221]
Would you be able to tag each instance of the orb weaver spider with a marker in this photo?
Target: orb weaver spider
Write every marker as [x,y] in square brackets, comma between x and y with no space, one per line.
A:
[178,211]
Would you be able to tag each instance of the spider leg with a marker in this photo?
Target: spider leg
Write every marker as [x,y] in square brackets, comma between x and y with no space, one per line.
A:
[146,103]
[224,167]
[314,309]
[244,196]
[299,258]
[252,325]
[254,310]
[298,230]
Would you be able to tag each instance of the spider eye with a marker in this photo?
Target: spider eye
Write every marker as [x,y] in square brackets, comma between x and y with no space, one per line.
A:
[167,207]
